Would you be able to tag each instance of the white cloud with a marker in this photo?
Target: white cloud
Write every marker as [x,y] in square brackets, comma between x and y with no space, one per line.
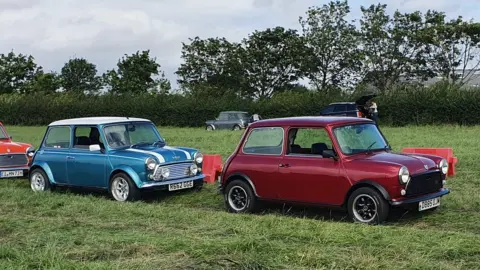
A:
[103,31]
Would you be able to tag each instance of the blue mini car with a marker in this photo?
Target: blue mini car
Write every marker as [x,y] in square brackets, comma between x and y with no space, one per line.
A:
[120,154]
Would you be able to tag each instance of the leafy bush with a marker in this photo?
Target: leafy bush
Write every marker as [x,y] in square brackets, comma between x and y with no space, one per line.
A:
[402,106]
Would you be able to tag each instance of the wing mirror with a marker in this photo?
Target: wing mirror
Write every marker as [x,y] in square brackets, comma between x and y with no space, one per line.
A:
[329,154]
[94,147]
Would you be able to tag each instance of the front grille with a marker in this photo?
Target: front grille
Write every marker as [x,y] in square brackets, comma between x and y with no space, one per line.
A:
[177,170]
[424,183]
[13,160]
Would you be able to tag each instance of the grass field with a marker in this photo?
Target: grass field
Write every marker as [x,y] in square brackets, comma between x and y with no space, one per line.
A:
[73,230]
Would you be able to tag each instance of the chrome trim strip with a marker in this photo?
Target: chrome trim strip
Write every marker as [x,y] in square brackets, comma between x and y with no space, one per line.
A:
[14,168]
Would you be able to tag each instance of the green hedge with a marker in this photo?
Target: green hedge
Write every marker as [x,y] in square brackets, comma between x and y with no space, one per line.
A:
[433,105]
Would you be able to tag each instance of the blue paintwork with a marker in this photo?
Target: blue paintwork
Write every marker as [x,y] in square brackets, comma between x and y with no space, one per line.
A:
[84,168]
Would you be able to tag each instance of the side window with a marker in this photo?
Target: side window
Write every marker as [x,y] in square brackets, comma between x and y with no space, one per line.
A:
[58,137]
[352,107]
[223,116]
[328,109]
[308,141]
[340,108]
[264,141]
[234,116]
[86,136]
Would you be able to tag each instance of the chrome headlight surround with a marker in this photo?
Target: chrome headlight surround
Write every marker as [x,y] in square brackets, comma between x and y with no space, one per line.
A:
[403,175]
[30,151]
[198,157]
[150,163]
[193,169]
[443,166]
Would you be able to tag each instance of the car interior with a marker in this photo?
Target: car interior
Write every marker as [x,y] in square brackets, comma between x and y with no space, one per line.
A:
[85,141]
[316,148]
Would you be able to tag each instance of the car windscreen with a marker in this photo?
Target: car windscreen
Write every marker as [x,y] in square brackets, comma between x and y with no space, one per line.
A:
[128,134]
[359,138]
[3,135]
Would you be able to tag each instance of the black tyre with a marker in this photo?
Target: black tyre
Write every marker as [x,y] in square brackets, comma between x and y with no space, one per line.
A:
[39,181]
[122,188]
[236,127]
[239,197]
[209,128]
[366,205]
[198,187]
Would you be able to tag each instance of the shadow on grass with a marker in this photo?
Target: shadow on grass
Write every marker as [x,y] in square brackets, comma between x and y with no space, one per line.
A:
[207,199]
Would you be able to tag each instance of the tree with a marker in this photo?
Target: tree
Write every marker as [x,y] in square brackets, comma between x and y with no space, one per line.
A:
[137,73]
[271,61]
[210,67]
[43,83]
[333,44]
[80,76]
[454,46]
[16,71]
[393,48]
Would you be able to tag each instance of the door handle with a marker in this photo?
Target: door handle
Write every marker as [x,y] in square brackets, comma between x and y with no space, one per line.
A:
[283,165]
[69,157]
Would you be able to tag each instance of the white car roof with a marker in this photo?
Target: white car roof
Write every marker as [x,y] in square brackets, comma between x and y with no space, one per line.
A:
[96,121]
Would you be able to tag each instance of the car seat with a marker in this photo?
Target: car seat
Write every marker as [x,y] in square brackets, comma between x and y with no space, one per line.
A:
[318,148]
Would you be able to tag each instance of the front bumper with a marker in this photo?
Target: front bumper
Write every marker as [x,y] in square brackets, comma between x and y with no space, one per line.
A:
[25,170]
[442,192]
[197,180]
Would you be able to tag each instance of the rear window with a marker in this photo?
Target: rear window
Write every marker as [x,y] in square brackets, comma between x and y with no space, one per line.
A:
[328,109]
[340,108]
[264,141]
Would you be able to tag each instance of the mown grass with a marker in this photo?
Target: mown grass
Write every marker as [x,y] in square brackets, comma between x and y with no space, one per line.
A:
[189,230]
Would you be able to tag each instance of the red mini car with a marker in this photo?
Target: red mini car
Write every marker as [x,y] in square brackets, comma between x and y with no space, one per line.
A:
[331,161]
[15,157]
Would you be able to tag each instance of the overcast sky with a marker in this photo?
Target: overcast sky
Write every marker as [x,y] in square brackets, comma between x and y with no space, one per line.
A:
[54,31]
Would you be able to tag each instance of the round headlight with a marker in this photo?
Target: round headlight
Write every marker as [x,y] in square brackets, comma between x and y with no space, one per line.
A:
[443,165]
[198,157]
[150,163]
[30,151]
[165,172]
[193,169]
[403,175]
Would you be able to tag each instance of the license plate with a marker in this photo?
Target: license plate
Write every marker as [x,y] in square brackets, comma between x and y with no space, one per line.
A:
[12,174]
[181,185]
[424,205]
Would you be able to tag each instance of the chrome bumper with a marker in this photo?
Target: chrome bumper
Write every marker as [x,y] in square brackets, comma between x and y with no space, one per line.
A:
[14,168]
[166,183]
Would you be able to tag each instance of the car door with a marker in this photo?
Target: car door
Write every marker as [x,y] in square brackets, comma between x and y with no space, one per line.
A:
[305,174]
[55,152]
[222,122]
[87,168]
[259,158]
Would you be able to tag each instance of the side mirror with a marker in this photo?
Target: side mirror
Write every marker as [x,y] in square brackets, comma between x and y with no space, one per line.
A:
[94,147]
[11,137]
[329,154]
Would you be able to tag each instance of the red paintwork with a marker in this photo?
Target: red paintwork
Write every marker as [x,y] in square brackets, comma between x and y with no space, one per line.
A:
[320,180]
[7,146]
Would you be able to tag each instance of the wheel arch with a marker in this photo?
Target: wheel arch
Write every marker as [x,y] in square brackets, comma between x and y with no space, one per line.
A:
[242,177]
[128,171]
[370,184]
[211,125]
[45,168]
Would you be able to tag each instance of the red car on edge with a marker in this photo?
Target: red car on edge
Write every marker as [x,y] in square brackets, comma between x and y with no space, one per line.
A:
[15,157]
[329,161]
